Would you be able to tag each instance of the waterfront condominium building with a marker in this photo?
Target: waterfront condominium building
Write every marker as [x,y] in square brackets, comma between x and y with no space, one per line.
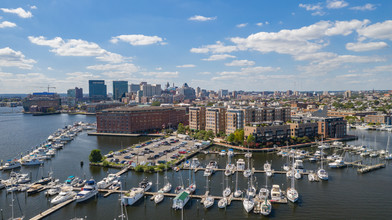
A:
[140,119]
[216,120]
[331,127]
[97,90]
[119,89]
[265,134]
[234,120]
[197,118]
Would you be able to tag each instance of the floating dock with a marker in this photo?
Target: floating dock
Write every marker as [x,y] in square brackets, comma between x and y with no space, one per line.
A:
[52,210]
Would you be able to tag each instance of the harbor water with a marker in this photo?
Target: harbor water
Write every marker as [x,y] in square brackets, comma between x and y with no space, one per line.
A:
[347,194]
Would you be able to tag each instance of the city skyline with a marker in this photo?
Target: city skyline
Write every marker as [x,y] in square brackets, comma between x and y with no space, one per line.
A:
[253,46]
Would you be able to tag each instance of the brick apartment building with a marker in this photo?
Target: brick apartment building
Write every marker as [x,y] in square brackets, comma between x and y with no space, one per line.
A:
[264,134]
[140,119]
[381,119]
[216,120]
[197,118]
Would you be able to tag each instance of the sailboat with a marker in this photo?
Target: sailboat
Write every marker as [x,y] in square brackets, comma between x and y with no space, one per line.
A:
[209,200]
[292,193]
[248,202]
[248,171]
[227,190]
[158,197]
[223,202]
[237,192]
[387,155]
[266,207]
[12,208]
[321,173]
[192,185]
[167,187]
[264,192]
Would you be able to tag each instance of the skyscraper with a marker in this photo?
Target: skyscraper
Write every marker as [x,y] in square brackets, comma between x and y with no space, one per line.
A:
[79,94]
[119,89]
[97,90]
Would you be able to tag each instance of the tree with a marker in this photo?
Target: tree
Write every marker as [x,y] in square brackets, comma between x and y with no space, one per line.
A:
[181,129]
[155,103]
[230,138]
[95,156]
[250,139]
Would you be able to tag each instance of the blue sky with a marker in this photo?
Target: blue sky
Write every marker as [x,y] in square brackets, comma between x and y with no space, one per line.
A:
[235,45]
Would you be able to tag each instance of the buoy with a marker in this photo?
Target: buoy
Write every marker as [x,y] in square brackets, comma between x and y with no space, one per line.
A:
[81,163]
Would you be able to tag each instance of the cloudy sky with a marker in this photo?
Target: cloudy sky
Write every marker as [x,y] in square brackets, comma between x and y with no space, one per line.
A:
[235,45]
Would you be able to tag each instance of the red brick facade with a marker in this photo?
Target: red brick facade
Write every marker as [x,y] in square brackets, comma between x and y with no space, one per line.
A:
[140,119]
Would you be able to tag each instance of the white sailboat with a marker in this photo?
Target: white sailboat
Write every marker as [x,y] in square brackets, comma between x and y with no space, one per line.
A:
[209,200]
[321,173]
[237,192]
[292,193]
[266,207]
[158,197]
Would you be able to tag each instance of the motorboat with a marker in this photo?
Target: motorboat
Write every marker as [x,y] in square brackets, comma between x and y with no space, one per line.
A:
[312,177]
[248,155]
[298,164]
[145,184]
[89,190]
[267,166]
[237,193]
[35,189]
[276,193]
[69,180]
[132,196]
[64,195]
[53,191]
[263,193]
[338,163]
[292,194]
[207,172]
[240,164]
[10,165]
[208,202]
[195,163]
[179,189]
[222,203]
[286,167]
[322,174]
[180,200]
[222,153]
[230,153]
[191,188]
[269,173]
[107,181]
[266,207]
[248,204]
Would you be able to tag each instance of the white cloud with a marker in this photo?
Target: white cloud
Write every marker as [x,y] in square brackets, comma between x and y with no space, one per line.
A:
[380,69]
[161,74]
[50,68]
[76,47]
[318,13]
[218,57]
[257,72]
[219,47]
[378,30]
[33,7]
[240,63]
[367,7]
[311,7]
[336,4]
[12,58]
[6,24]
[358,47]
[123,67]
[307,39]
[259,24]
[186,66]
[201,18]
[205,73]
[138,39]
[159,68]
[241,25]
[18,11]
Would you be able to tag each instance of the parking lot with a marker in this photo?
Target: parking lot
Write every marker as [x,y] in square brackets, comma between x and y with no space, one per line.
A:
[159,150]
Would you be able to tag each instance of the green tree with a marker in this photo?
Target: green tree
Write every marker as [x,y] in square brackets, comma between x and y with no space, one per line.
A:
[231,138]
[250,139]
[95,156]
[181,129]
[155,103]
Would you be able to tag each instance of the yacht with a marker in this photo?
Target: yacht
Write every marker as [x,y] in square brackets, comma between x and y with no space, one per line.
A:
[180,200]
[208,202]
[107,181]
[267,166]
[222,153]
[132,196]
[145,184]
[207,172]
[276,193]
[222,203]
[240,164]
[63,196]
[322,174]
[32,162]
[191,188]
[248,204]
[10,165]
[89,190]
[292,193]
[69,180]
[312,177]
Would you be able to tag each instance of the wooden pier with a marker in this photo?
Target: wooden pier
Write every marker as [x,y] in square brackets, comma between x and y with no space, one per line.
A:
[369,168]
[52,210]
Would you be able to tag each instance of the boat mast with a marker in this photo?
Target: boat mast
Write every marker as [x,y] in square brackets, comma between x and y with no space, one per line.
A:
[236,181]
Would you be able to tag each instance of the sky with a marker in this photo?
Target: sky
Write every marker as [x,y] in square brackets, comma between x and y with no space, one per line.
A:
[251,45]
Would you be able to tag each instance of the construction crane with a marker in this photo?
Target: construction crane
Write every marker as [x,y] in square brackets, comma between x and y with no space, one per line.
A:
[49,87]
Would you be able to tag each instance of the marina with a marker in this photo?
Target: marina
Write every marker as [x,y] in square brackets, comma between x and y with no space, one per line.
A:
[129,179]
